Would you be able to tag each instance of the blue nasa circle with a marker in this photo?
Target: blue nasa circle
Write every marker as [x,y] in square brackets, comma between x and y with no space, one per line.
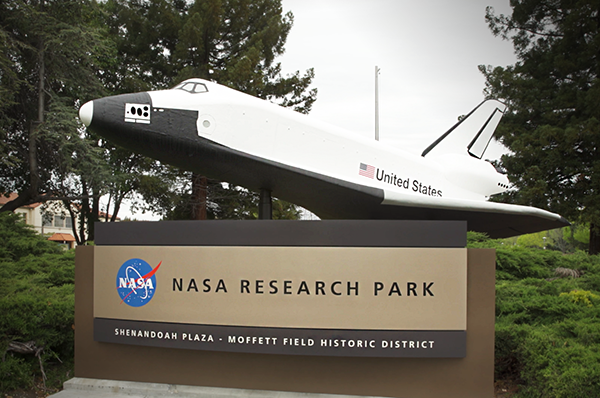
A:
[133,289]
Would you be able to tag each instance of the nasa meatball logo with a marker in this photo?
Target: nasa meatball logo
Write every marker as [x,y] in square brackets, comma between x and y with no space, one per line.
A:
[136,282]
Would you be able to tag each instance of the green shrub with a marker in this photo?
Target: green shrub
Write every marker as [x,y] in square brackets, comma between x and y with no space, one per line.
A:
[36,303]
[547,328]
[548,334]
[15,373]
[18,239]
[558,365]
[582,297]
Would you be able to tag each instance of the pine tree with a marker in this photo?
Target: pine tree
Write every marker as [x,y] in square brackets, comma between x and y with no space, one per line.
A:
[50,54]
[553,121]
[232,42]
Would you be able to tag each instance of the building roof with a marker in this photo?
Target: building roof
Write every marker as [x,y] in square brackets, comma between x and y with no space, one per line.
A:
[12,196]
[57,237]
[102,215]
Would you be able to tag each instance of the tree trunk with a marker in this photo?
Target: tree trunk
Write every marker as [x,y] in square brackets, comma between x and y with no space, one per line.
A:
[83,212]
[116,208]
[34,173]
[198,199]
[94,215]
[73,221]
[265,205]
[594,247]
[107,207]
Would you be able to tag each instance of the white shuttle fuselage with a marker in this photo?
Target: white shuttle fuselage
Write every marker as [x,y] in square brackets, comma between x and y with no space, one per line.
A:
[257,127]
[234,137]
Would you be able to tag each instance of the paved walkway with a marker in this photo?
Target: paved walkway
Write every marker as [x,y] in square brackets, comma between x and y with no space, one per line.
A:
[95,388]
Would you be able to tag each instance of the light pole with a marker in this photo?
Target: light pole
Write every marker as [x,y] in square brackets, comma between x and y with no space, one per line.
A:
[377,69]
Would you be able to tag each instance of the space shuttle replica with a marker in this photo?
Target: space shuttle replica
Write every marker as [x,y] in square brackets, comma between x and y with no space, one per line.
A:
[231,136]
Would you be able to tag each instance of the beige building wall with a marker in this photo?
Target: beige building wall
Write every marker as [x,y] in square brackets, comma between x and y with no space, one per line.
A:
[53,220]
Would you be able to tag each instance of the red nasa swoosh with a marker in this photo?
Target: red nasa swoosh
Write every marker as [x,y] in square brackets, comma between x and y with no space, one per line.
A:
[145,278]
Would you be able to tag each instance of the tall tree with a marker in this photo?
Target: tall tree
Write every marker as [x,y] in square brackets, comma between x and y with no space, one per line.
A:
[553,121]
[54,56]
[49,57]
[232,42]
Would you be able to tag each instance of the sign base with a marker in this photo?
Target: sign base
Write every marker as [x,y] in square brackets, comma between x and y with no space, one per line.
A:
[98,388]
[307,374]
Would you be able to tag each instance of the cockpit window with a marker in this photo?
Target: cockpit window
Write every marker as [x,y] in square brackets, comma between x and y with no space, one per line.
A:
[192,87]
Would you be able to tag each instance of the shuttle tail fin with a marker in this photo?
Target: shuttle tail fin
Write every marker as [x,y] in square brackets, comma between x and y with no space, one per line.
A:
[472,134]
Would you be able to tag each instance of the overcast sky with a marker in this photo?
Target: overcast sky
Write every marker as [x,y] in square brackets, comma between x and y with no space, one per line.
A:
[428,52]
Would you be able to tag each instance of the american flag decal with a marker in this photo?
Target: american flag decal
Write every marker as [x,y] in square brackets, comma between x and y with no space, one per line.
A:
[366,170]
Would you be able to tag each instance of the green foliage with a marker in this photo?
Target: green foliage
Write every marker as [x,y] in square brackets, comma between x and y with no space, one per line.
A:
[49,59]
[18,239]
[475,238]
[552,124]
[548,331]
[578,236]
[567,240]
[582,297]
[15,373]
[561,360]
[547,328]
[36,303]
[232,42]
[532,240]
[55,55]
[228,202]
[571,239]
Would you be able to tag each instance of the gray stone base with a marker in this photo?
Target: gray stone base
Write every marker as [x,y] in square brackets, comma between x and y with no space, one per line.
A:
[79,387]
